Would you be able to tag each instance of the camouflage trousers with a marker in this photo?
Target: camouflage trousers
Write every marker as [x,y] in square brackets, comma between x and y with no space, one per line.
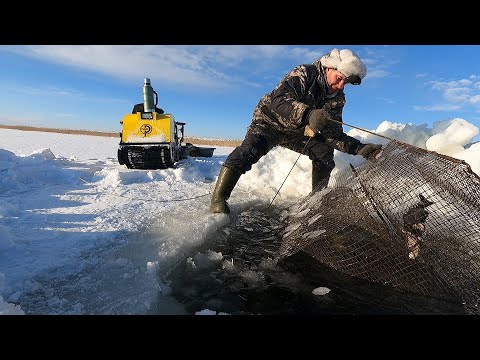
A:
[262,137]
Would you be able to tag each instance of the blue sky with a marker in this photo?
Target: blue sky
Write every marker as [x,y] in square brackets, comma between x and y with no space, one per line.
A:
[214,88]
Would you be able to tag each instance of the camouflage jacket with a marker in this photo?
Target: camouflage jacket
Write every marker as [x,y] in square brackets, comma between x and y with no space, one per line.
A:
[302,89]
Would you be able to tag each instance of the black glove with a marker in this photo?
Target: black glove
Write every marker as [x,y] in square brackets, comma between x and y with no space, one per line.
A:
[369,151]
[317,119]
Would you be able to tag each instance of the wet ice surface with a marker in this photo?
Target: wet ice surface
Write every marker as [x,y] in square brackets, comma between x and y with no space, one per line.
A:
[231,272]
[234,272]
[114,281]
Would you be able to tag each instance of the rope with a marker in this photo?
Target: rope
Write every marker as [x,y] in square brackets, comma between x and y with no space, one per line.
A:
[368,131]
[290,171]
[140,199]
[402,143]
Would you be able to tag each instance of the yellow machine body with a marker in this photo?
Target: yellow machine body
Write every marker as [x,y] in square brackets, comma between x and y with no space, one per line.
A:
[159,129]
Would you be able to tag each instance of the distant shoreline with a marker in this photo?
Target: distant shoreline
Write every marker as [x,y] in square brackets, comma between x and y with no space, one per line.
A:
[193,140]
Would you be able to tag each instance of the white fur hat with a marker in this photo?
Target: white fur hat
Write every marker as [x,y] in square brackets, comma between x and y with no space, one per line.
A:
[345,61]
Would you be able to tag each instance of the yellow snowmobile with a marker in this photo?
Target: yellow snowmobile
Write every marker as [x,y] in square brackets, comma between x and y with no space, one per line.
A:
[151,139]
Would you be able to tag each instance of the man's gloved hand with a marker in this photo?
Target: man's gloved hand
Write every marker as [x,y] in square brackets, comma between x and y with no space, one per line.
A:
[370,151]
[317,119]
[308,132]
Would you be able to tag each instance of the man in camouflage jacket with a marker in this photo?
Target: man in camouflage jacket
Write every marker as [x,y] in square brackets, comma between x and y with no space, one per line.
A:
[303,113]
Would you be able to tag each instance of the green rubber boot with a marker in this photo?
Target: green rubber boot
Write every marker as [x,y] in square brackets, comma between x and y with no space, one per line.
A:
[227,179]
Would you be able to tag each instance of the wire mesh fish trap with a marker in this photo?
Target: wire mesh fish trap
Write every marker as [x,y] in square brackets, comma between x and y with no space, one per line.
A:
[410,220]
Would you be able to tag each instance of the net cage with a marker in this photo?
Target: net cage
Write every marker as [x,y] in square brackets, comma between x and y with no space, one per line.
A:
[409,220]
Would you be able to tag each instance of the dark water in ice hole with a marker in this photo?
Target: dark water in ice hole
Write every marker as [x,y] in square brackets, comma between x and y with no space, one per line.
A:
[243,279]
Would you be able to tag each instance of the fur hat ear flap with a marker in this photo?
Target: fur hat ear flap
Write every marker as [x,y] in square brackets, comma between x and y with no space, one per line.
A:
[345,61]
